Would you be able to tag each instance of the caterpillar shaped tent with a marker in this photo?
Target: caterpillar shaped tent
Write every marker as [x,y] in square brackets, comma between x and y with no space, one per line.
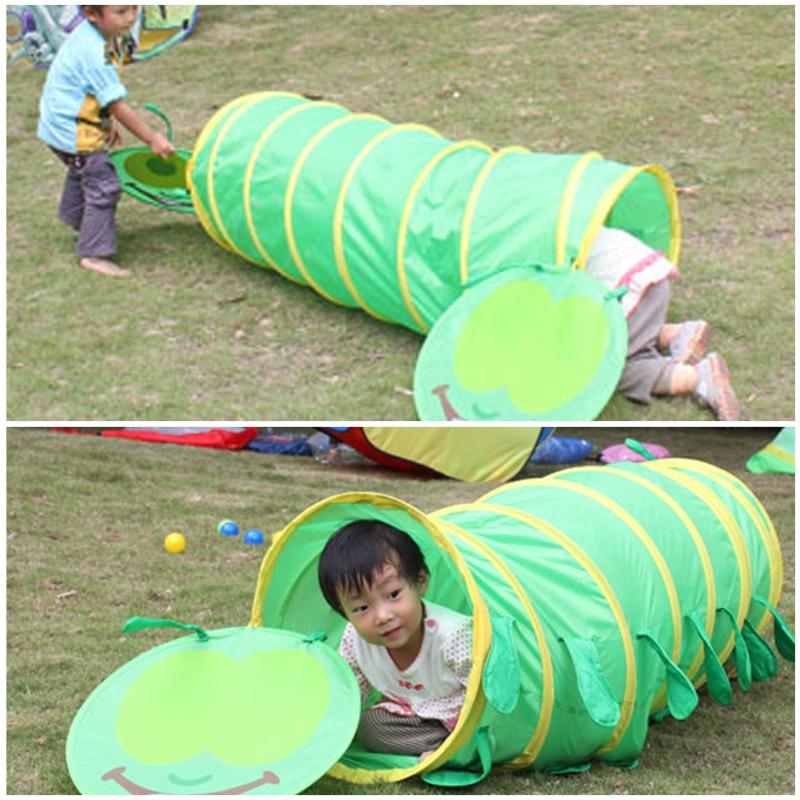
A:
[601,597]
[468,246]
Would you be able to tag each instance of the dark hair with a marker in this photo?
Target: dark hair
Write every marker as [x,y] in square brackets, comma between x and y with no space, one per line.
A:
[358,550]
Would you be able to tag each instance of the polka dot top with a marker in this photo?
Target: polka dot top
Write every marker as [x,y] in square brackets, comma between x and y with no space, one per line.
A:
[434,685]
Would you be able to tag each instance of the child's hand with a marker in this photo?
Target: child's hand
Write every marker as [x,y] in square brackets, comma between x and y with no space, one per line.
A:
[162,146]
[116,135]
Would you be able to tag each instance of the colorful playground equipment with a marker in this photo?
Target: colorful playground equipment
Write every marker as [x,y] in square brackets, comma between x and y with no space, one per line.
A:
[35,32]
[468,454]
[601,597]
[479,250]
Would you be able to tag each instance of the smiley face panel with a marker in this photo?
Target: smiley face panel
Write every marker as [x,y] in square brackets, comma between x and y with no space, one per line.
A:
[249,710]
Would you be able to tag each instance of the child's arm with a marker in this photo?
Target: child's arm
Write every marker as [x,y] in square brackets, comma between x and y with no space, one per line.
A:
[157,142]
[348,653]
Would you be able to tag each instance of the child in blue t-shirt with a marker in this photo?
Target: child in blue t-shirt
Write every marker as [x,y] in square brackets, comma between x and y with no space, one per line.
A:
[81,104]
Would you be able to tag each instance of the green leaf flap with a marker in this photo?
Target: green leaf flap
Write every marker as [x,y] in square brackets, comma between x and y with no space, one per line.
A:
[762,656]
[719,687]
[681,696]
[744,668]
[592,684]
[454,778]
[501,680]
[784,640]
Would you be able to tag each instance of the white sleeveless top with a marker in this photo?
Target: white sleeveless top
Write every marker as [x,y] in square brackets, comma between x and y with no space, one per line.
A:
[619,259]
[434,685]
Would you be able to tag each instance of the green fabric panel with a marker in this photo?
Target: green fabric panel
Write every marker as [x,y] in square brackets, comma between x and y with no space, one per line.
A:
[502,601]
[273,168]
[665,527]
[758,557]
[613,548]
[316,195]
[233,165]
[201,157]
[551,573]
[433,237]
[506,231]
[373,212]
[643,211]
[160,173]
[723,558]
[609,543]
[595,181]
[229,166]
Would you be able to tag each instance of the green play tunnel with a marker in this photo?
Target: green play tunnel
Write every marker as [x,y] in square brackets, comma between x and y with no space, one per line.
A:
[396,219]
[601,596]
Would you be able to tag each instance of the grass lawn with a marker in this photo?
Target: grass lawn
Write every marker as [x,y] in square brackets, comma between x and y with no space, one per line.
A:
[86,521]
[200,334]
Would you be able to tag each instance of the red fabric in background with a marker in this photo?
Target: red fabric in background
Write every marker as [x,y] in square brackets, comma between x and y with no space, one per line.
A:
[218,438]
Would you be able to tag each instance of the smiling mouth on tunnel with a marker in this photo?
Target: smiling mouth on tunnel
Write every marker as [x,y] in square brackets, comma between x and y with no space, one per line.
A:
[447,407]
[131,787]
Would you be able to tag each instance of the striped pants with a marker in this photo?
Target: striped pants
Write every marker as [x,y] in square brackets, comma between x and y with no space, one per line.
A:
[383,732]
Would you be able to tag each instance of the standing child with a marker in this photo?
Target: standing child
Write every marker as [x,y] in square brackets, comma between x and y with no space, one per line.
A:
[416,654]
[81,103]
[619,259]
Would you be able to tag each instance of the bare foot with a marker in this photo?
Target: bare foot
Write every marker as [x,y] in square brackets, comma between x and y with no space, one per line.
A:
[104,267]
[426,754]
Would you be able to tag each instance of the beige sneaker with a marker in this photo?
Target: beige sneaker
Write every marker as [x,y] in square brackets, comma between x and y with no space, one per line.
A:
[104,267]
[690,343]
[714,388]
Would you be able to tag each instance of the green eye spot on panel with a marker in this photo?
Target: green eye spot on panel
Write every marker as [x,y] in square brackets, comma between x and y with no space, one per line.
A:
[528,344]
[157,181]
[250,710]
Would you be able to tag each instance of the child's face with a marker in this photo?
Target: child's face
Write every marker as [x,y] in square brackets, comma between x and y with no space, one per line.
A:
[113,20]
[388,612]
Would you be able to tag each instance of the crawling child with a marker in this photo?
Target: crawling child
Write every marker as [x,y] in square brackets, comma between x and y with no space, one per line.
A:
[619,259]
[416,654]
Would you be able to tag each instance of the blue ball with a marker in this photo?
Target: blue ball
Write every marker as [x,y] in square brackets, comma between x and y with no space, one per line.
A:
[254,536]
[228,528]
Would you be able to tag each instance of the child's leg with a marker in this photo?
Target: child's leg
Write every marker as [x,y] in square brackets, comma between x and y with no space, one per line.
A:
[383,732]
[687,342]
[98,237]
[70,209]
[646,371]
[101,191]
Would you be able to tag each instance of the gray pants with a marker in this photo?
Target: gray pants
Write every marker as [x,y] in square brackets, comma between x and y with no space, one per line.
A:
[383,732]
[647,372]
[89,201]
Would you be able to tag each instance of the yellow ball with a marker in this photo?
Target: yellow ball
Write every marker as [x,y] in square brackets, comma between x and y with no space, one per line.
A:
[174,543]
